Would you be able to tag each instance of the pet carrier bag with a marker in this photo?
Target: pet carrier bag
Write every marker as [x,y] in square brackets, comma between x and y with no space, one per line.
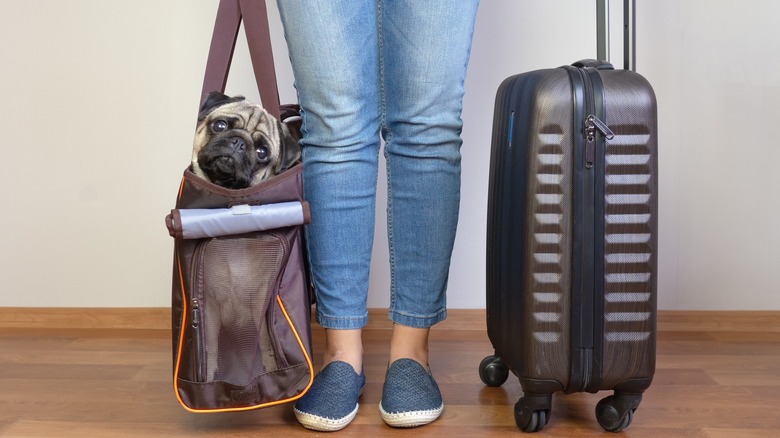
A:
[240,296]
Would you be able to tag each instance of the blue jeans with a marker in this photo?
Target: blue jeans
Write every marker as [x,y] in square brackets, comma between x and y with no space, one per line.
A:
[365,70]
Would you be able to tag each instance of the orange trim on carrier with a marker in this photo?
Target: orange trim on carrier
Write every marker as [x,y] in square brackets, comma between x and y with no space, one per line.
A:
[243,408]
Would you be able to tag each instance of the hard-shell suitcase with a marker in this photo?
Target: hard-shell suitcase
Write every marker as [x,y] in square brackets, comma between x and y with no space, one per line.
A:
[572,239]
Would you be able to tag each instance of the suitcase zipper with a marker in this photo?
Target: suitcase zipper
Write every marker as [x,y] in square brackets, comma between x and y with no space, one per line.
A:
[586,292]
[587,374]
[590,133]
[592,124]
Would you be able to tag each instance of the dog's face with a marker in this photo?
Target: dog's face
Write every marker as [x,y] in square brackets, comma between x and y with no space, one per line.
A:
[238,144]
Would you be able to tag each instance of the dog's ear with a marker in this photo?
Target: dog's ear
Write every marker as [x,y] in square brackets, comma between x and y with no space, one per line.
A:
[213,100]
[290,148]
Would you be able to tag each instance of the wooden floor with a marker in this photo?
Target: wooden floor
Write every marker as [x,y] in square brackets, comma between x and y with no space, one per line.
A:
[88,373]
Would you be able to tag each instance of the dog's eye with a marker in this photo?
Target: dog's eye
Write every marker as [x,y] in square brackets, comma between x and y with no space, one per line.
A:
[262,154]
[219,126]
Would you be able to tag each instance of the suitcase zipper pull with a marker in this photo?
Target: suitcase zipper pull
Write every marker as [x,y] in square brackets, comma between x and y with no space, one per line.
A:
[601,126]
[593,123]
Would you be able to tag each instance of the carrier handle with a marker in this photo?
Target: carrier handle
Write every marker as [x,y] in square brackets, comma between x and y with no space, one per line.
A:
[223,43]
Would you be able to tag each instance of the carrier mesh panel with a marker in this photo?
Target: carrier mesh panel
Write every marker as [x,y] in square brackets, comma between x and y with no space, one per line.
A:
[238,277]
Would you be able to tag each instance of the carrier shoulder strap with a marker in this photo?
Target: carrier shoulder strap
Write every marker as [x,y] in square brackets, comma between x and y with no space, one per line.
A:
[223,43]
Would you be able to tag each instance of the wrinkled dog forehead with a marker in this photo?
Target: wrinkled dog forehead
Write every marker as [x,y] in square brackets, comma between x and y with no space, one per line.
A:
[243,115]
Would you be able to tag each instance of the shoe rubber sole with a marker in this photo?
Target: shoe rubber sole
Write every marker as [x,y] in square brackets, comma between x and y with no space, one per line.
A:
[323,424]
[411,418]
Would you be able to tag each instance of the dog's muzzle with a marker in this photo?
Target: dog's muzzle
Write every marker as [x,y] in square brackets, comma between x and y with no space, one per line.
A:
[225,162]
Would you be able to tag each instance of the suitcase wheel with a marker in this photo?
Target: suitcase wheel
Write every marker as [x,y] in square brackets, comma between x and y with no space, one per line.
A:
[615,413]
[533,412]
[493,371]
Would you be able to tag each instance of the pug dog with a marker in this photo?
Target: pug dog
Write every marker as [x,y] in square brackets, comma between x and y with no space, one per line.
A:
[238,144]
[233,328]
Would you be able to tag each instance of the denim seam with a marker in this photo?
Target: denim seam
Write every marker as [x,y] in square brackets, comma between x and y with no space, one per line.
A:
[418,321]
[341,322]
[413,315]
[306,232]
[387,135]
[380,42]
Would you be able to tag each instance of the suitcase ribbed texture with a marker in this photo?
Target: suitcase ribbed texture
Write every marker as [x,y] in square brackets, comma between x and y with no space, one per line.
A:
[630,229]
[548,276]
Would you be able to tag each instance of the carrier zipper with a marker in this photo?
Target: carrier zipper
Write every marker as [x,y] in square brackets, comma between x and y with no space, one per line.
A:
[197,334]
[280,358]
[197,314]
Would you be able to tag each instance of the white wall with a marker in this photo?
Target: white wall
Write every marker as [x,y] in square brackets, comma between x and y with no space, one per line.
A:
[98,100]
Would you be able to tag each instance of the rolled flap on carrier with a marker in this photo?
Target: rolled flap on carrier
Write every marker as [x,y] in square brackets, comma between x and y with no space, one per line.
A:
[197,223]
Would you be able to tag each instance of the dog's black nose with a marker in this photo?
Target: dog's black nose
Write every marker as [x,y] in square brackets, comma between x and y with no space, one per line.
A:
[238,144]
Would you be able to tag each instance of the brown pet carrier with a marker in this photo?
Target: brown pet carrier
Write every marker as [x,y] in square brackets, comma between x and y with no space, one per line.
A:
[240,297]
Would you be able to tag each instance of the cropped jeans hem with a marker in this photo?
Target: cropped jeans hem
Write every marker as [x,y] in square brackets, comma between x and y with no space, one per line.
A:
[341,322]
[417,321]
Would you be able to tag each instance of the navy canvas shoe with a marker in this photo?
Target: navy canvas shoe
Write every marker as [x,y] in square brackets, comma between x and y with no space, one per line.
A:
[410,396]
[332,401]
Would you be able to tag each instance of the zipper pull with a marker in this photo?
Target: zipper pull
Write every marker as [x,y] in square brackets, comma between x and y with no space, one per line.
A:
[593,123]
[602,127]
[195,313]
[590,152]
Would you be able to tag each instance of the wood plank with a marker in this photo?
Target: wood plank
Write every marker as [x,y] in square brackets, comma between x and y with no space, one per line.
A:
[159,318]
[717,321]
[90,373]
[63,317]
[742,433]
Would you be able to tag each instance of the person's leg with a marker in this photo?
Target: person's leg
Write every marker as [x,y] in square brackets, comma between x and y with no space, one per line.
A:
[333,48]
[344,345]
[409,342]
[424,50]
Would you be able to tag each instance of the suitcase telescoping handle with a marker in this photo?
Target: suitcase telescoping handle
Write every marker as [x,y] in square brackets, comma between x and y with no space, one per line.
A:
[629,32]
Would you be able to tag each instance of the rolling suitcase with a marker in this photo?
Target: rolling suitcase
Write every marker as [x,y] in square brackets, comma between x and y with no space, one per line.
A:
[572,237]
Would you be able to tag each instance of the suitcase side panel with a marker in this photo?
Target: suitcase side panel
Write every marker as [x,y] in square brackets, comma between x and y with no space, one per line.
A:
[506,212]
[529,222]
[630,233]
[548,253]
[500,279]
